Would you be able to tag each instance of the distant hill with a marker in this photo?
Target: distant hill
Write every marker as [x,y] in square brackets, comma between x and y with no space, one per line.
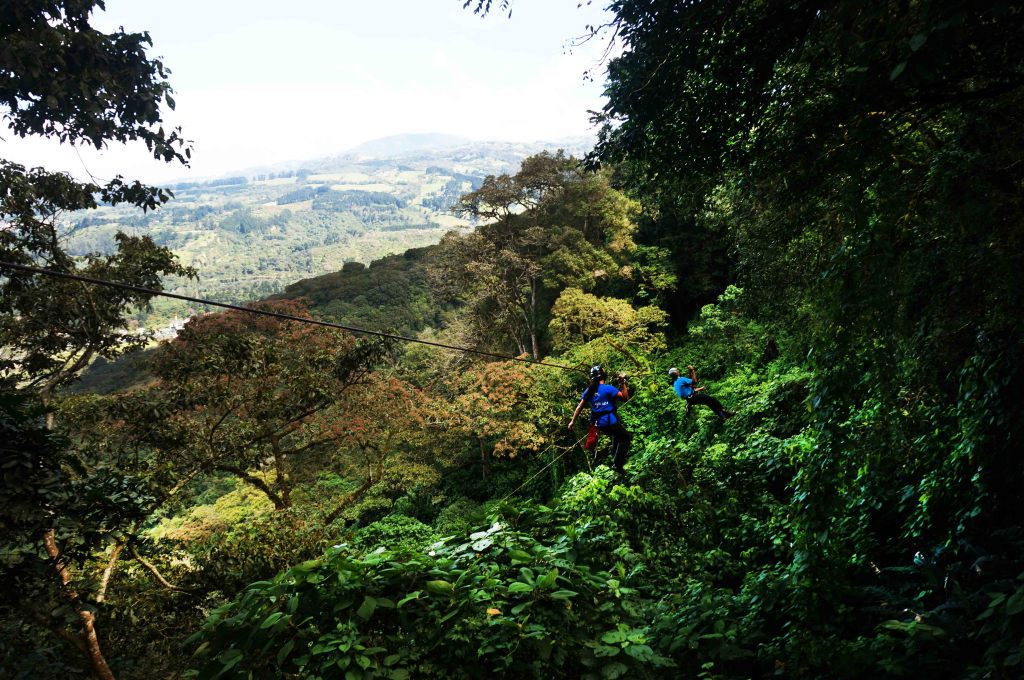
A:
[493,156]
[401,145]
[392,293]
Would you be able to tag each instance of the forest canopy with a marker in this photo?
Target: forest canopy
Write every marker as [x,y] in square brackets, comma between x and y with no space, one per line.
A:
[811,208]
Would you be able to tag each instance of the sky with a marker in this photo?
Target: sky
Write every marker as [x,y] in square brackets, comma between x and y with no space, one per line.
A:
[259,82]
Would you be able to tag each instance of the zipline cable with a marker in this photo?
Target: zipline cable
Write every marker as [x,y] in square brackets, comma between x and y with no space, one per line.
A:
[536,474]
[278,315]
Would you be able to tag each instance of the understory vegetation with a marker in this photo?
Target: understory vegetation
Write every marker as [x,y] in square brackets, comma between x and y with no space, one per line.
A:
[822,214]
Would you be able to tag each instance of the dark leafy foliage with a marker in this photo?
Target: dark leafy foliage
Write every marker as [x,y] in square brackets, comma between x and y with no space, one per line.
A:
[53,66]
[517,598]
[393,292]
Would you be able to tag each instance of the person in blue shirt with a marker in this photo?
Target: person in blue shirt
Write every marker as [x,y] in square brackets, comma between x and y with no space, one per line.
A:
[601,399]
[688,391]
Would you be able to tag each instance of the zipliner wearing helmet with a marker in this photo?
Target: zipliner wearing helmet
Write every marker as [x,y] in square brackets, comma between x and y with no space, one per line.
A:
[601,399]
[688,392]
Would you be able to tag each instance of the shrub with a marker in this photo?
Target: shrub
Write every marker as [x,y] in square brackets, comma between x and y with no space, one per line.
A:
[516,598]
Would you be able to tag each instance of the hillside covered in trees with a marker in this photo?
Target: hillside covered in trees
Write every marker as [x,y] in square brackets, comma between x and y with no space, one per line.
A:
[251,234]
[816,206]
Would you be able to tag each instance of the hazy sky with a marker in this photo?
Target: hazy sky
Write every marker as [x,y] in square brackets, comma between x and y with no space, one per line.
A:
[259,82]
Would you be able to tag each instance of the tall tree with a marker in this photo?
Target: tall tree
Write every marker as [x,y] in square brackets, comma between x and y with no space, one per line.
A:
[549,226]
[252,396]
[386,446]
[61,78]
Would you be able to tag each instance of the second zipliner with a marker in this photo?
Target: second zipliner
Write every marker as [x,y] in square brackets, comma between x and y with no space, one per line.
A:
[688,390]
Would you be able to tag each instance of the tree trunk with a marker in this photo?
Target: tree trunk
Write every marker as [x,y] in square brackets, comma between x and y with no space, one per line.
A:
[46,391]
[278,502]
[92,642]
[533,320]
[283,481]
[485,459]
[349,500]
[101,593]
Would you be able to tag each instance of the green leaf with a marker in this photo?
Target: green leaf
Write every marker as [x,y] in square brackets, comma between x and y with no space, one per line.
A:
[366,609]
[640,652]
[519,555]
[455,611]
[283,653]
[440,588]
[271,620]
[563,594]
[415,595]
[548,580]
[229,659]
[900,68]
[520,587]
[614,636]
[615,670]
[918,41]
[1015,605]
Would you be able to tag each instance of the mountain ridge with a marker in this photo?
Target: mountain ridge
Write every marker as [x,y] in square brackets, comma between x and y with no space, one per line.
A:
[417,146]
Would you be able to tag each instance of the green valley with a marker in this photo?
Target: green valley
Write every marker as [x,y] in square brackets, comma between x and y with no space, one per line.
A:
[251,235]
[734,393]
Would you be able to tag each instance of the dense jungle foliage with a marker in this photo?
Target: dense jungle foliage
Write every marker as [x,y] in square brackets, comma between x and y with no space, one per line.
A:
[816,204]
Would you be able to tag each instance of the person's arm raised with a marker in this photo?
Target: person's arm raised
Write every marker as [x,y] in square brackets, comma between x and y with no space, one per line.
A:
[576,413]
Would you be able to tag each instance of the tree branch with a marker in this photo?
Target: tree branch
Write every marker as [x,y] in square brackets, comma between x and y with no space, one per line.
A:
[60,632]
[151,568]
[99,664]
[101,592]
[349,500]
[255,481]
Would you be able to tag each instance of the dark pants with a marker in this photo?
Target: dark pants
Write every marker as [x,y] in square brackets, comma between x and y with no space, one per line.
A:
[620,445]
[705,399]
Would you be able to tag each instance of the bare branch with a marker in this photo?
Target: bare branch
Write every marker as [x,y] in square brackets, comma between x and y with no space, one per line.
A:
[101,592]
[151,568]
